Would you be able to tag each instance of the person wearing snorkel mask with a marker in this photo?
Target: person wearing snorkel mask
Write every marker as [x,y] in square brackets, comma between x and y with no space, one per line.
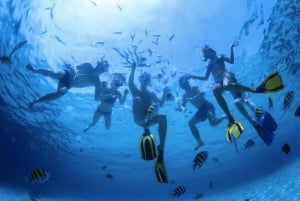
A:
[143,98]
[108,97]
[206,110]
[225,80]
[83,75]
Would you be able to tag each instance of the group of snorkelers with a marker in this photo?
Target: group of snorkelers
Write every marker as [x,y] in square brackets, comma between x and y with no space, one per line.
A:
[146,103]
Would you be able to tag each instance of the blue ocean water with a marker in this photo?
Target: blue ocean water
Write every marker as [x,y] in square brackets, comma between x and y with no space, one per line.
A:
[106,164]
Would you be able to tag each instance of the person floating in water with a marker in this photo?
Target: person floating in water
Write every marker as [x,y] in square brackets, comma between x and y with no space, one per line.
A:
[226,81]
[84,75]
[108,97]
[142,100]
[206,110]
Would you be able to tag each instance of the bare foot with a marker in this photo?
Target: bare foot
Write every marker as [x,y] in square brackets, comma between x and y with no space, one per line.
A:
[200,144]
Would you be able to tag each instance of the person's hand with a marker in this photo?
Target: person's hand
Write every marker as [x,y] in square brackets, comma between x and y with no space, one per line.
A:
[234,44]
[133,65]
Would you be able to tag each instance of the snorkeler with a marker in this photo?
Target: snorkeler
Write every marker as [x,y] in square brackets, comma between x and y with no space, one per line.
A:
[83,75]
[108,97]
[206,110]
[226,81]
[145,108]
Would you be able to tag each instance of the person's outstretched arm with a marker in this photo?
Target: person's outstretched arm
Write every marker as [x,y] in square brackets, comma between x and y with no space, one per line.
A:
[231,59]
[205,77]
[131,85]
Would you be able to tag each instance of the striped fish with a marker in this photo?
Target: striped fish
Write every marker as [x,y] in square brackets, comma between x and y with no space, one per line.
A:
[39,175]
[200,159]
[288,99]
[178,191]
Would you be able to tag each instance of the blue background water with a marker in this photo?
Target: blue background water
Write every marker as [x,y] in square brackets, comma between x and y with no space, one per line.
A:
[50,135]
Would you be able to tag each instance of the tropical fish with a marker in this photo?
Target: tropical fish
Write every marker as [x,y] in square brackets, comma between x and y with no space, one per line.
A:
[259,112]
[200,159]
[249,144]
[109,176]
[39,175]
[270,103]
[286,148]
[178,191]
[289,96]
[198,196]
[297,112]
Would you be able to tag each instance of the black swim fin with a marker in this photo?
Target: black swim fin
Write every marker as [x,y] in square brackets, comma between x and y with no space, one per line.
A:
[264,134]
[270,84]
[265,128]
[160,168]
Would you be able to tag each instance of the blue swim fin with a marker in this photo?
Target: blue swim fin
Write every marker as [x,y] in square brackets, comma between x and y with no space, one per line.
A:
[265,127]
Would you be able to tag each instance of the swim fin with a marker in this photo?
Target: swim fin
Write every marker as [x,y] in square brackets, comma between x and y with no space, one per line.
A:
[148,146]
[235,129]
[160,168]
[265,128]
[270,84]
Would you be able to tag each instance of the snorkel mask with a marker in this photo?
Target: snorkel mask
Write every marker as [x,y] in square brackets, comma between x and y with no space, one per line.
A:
[184,81]
[145,78]
[206,51]
[118,79]
[102,66]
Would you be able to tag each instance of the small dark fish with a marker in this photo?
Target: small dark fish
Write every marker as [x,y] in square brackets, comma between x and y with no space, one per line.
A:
[178,191]
[100,43]
[270,103]
[119,7]
[103,167]
[286,148]
[81,149]
[39,175]
[93,3]
[198,196]
[249,144]
[211,185]
[215,159]
[289,96]
[109,176]
[297,112]
[200,159]
[60,40]
[171,37]
[117,32]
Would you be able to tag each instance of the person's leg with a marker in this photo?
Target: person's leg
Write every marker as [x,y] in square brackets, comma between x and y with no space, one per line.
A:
[96,118]
[192,125]
[46,72]
[138,111]
[240,106]
[161,119]
[107,119]
[239,88]
[213,120]
[221,101]
[50,96]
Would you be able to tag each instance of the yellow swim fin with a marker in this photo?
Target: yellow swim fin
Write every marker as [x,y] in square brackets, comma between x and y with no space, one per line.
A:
[270,84]
[235,129]
[148,146]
